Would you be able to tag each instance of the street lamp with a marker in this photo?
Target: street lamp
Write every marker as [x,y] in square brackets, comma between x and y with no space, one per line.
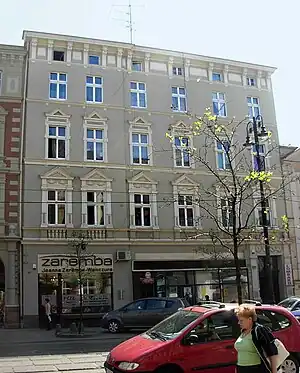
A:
[258,129]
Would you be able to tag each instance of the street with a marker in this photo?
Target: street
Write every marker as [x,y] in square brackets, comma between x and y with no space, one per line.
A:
[25,351]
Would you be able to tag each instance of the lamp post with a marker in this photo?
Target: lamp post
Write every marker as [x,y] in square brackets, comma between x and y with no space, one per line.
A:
[256,126]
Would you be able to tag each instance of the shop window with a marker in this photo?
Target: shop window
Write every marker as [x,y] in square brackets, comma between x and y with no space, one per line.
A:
[96,290]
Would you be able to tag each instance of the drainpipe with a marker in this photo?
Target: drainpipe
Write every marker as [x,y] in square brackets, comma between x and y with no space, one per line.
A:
[21,190]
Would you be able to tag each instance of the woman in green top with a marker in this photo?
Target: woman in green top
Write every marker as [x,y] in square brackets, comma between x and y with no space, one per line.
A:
[255,347]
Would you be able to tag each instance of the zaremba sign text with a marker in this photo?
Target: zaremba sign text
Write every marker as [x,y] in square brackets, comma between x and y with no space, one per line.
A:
[69,263]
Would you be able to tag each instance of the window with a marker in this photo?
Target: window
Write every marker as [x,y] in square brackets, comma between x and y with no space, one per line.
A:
[177,71]
[251,82]
[138,95]
[94,89]
[56,207]
[142,210]
[58,86]
[253,107]
[263,214]
[56,142]
[185,211]
[94,144]
[259,162]
[226,212]
[155,304]
[216,77]
[95,208]
[0,80]
[222,324]
[136,306]
[178,99]
[140,148]
[182,151]
[94,60]
[136,66]
[58,56]
[222,157]
[219,104]
[282,320]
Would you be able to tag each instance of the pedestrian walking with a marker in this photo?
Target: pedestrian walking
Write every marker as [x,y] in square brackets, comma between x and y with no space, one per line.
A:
[256,348]
[48,313]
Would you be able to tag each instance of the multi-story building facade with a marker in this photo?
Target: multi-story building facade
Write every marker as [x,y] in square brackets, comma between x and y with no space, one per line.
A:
[97,160]
[11,92]
[290,160]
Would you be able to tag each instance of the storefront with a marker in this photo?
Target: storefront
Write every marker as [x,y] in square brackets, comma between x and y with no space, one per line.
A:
[192,280]
[59,281]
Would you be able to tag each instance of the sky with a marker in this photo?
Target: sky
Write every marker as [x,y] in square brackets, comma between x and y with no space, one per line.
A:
[257,31]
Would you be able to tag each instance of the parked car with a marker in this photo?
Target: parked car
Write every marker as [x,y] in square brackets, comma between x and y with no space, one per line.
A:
[201,339]
[291,303]
[141,314]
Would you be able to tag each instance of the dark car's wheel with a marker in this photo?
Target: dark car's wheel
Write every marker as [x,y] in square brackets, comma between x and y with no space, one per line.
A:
[290,365]
[114,326]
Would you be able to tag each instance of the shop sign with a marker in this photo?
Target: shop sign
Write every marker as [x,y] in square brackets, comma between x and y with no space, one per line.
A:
[69,301]
[288,275]
[62,263]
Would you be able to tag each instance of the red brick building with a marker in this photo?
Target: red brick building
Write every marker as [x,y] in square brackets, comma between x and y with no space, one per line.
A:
[12,67]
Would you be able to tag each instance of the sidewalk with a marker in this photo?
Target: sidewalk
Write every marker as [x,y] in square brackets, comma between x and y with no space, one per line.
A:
[8,336]
[75,363]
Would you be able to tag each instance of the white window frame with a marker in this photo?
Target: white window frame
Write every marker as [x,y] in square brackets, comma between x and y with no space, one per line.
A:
[142,184]
[181,148]
[221,103]
[58,119]
[135,62]
[221,151]
[1,81]
[266,155]
[138,91]
[56,202]
[94,86]
[185,207]
[94,64]
[252,106]
[58,180]
[180,129]
[142,127]
[95,122]
[225,198]
[58,82]
[272,210]
[249,81]
[178,96]
[176,70]
[185,186]
[95,181]
[142,205]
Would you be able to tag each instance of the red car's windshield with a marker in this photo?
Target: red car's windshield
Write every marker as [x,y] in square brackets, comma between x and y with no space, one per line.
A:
[174,325]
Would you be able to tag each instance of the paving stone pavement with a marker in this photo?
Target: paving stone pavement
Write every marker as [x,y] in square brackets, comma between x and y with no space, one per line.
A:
[69,363]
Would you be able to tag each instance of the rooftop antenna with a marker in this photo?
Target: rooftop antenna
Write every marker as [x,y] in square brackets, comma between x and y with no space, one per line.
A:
[129,20]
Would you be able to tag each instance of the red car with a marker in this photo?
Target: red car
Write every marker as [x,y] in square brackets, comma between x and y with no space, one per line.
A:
[200,339]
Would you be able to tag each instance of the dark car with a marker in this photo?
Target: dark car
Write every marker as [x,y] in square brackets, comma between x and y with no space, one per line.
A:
[291,303]
[141,314]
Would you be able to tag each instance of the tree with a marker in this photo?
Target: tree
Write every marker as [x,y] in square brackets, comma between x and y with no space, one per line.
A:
[234,196]
[79,245]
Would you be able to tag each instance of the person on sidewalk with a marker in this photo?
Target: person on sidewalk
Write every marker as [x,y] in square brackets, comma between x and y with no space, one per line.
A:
[48,313]
[256,349]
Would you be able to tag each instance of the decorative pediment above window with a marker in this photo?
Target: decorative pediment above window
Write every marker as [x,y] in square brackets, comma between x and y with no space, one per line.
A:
[95,118]
[140,123]
[57,178]
[3,112]
[57,116]
[184,184]
[95,180]
[181,127]
[142,182]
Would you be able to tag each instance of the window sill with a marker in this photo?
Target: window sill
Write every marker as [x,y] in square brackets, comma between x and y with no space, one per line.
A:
[177,227]
[94,102]
[95,160]
[56,159]
[139,107]
[57,99]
